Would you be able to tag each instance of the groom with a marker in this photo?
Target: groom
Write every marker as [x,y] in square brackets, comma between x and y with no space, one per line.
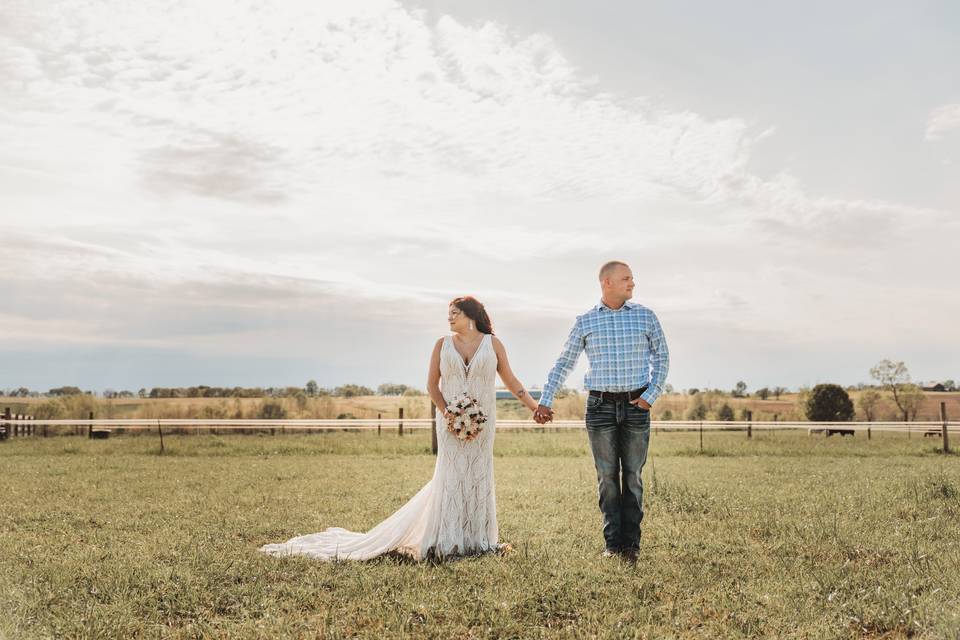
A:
[628,367]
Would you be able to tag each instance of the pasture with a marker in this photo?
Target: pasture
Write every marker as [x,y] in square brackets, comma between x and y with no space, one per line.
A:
[670,406]
[784,535]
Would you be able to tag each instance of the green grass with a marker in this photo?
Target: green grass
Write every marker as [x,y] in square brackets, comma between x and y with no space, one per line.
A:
[783,536]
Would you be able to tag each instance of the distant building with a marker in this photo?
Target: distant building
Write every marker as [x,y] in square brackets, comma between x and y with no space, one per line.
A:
[935,386]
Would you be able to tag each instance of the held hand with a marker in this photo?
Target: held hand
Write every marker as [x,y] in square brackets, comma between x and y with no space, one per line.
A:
[640,402]
[543,414]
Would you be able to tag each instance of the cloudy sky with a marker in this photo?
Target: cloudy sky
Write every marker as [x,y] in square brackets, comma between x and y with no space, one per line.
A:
[260,192]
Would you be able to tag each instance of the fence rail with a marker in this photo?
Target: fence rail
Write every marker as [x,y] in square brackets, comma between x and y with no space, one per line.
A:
[359,424]
[100,428]
[12,425]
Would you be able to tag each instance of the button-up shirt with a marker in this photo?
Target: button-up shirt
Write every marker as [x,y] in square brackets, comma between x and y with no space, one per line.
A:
[626,349]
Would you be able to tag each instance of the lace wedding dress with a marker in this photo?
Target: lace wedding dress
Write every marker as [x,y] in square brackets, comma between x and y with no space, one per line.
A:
[455,514]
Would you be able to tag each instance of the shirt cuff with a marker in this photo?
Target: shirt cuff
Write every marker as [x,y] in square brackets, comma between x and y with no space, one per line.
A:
[546,400]
[650,395]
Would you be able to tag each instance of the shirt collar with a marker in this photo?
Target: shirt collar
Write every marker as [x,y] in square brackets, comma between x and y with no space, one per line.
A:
[626,305]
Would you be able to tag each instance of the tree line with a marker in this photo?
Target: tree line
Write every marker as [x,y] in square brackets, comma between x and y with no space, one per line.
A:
[310,390]
[832,402]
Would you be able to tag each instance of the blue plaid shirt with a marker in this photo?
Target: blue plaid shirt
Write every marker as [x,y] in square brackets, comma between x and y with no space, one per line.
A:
[625,347]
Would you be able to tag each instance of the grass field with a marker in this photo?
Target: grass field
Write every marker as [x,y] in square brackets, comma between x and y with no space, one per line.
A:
[783,536]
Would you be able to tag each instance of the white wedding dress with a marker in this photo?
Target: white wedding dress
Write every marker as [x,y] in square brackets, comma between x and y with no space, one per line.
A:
[455,514]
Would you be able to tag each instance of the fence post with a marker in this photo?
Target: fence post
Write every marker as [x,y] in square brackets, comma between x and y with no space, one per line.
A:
[6,425]
[868,434]
[160,431]
[433,425]
[701,436]
[90,428]
[749,423]
[378,424]
[946,432]
[400,426]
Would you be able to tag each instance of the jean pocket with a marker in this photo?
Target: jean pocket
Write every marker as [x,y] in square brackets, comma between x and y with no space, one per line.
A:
[638,416]
[593,402]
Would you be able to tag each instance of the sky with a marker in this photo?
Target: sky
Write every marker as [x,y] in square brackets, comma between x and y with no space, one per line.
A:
[260,193]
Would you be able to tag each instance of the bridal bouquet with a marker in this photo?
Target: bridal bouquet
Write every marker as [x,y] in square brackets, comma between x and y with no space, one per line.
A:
[467,419]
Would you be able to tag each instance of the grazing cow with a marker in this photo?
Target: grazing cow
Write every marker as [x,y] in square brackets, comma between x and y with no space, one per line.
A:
[842,432]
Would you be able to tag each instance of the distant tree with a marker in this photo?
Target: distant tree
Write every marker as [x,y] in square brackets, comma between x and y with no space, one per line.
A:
[142,393]
[911,397]
[699,409]
[779,391]
[563,392]
[693,391]
[763,393]
[829,403]
[740,391]
[390,389]
[411,392]
[301,399]
[949,385]
[667,415]
[893,376]
[271,410]
[668,388]
[65,391]
[869,402]
[311,388]
[352,390]
[346,416]
[725,412]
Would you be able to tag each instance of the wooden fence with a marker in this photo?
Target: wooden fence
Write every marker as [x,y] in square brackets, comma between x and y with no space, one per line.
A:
[17,424]
[25,425]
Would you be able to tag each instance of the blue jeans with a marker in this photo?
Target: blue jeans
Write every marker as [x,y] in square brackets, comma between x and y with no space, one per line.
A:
[619,435]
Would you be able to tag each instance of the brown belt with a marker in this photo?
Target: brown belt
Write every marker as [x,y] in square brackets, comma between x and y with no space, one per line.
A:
[618,395]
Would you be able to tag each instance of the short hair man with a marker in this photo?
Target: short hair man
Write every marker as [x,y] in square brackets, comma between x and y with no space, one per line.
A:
[629,360]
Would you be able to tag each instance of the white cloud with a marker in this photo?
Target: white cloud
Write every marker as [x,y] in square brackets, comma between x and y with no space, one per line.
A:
[943,119]
[352,152]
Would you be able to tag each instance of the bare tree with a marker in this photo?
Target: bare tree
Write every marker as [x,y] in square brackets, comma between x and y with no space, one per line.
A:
[893,376]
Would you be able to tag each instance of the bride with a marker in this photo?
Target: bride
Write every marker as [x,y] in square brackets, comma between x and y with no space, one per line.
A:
[455,514]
